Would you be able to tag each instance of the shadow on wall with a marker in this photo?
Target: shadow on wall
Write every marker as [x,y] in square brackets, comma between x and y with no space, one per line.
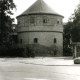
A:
[40,50]
[30,51]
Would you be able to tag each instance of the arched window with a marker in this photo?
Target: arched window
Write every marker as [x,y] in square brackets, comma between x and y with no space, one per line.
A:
[45,20]
[58,21]
[35,40]
[55,40]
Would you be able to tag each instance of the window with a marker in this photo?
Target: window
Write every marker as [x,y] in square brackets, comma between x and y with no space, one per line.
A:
[55,40]
[45,20]
[57,22]
[32,20]
[35,40]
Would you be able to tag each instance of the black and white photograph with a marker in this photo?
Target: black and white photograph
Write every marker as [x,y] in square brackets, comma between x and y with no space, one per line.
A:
[39,40]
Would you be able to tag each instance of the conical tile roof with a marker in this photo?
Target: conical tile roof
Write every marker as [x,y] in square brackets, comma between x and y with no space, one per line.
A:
[39,7]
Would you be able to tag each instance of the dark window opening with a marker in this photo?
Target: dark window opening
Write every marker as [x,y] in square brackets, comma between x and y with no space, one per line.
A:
[57,22]
[35,40]
[55,41]
[45,20]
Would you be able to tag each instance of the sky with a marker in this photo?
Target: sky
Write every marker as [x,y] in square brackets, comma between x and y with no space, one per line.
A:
[63,7]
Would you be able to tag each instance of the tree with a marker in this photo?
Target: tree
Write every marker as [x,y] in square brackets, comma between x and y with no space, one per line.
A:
[76,25]
[72,30]
[6,7]
[67,39]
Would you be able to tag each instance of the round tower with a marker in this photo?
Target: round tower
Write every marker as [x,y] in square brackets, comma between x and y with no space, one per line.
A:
[42,28]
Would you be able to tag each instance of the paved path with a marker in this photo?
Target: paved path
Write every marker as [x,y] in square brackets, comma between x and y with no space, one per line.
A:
[51,61]
[39,69]
[67,61]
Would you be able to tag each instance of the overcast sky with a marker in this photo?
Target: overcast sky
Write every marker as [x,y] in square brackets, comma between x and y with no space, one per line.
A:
[63,7]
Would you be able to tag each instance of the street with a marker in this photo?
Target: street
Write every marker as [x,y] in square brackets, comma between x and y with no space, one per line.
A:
[22,69]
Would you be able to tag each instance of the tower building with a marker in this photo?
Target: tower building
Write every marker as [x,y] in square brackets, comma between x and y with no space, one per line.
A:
[41,28]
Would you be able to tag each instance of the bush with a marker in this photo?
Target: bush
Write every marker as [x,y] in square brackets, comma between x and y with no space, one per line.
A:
[67,52]
[11,52]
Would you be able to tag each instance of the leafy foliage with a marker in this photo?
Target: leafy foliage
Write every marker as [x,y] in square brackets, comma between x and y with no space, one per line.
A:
[76,25]
[72,29]
[6,7]
[67,39]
